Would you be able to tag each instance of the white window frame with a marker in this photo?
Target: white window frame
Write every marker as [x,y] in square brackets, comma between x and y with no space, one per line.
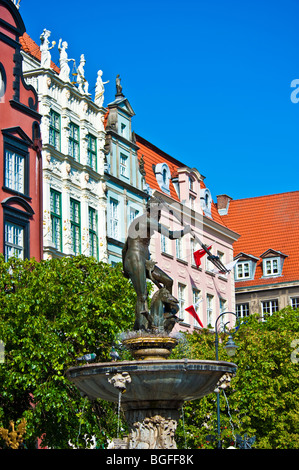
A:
[182,300]
[123,165]
[210,309]
[269,307]
[14,171]
[242,310]
[114,218]
[271,267]
[240,274]
[196,297]
[14,243]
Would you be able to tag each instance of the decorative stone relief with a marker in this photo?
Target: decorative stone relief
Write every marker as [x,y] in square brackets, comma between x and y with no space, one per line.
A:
[154,432]
[120,380]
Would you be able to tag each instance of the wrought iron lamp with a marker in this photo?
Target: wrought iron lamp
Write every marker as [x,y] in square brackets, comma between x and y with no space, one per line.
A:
[231,349]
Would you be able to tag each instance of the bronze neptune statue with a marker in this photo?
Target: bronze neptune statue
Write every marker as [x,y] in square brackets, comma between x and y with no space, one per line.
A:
[138,267]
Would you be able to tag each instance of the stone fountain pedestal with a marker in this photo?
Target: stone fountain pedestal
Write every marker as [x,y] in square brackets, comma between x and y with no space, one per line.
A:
[152,389]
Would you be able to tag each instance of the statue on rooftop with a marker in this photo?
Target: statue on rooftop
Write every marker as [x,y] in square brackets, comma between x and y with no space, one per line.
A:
[63,61]
[45,49]
[99,92]
[118,85]
[138,267]
[81,80]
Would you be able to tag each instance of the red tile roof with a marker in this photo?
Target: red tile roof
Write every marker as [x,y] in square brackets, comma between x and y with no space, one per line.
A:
[29,46]
[267,222]
[152,156]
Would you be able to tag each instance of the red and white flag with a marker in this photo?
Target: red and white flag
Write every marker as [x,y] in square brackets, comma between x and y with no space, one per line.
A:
[199,254]
[192,312]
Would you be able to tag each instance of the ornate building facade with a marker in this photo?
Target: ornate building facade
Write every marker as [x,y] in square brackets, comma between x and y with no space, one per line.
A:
[126,191]
[72,130]
[20,152]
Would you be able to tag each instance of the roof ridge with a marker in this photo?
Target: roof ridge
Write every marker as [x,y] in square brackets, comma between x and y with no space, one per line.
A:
[264,196]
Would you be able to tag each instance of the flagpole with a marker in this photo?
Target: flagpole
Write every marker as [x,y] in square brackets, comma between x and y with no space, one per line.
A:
[214,259]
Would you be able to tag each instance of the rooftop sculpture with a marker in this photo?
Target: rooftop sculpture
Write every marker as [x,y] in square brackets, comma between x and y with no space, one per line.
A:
[45,49]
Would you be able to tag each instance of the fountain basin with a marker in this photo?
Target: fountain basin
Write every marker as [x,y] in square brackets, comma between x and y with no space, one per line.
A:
[151,393]
[178,380]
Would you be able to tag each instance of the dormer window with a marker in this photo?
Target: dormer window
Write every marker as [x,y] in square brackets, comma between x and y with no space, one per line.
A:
[272,263]
[123,129]
[206,201]
[243,270]
[245,267]
[163,176]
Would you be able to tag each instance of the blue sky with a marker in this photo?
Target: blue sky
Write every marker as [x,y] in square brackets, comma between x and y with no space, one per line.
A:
[209,80]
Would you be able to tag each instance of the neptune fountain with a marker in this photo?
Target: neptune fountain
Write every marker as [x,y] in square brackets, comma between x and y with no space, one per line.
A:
[151,388]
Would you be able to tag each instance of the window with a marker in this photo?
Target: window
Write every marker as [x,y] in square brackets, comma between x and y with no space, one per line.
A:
[164,244]
[196,302]
[295,302]
[92,152]
[2,83]
[114,219]
[13,241]
[14,172]
[123,129]
[182,300]
[179,248]
[269,307]
[222,308]
[93,237]
[54,130]
[191,183]
[271,267]
[75,226]
[242,310]
[210,310]
[243,270]
[74,149]
[16,227]
[123,165]
[133,214]
[192,202]
[56,221]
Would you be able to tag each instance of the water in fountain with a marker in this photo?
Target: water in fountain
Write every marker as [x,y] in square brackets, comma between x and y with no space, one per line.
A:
[118,412]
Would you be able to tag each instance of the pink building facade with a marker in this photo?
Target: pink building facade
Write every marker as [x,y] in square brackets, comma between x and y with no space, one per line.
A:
[187,201]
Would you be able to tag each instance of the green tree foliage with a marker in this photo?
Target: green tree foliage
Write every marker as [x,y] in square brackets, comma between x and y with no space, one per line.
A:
[262,400]
[53,312]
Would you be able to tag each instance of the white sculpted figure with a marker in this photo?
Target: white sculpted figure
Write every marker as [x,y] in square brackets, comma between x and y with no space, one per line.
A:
[63,61]
[99,93]
[81,80]
[45,49]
